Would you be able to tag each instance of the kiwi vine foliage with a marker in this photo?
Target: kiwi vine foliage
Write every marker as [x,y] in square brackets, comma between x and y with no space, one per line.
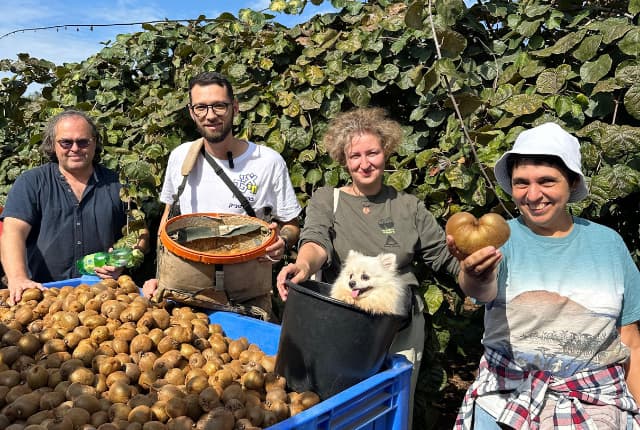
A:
[510,65]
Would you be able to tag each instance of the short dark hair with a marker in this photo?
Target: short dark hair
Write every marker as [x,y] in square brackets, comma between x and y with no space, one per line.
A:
[211,78]
[49,140]
[515,160]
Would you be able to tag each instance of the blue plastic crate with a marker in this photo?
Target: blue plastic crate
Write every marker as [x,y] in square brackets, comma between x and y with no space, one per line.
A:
[380,402]
[73,282]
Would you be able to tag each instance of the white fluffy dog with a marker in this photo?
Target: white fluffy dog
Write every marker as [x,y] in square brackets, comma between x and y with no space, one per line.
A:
[372,284]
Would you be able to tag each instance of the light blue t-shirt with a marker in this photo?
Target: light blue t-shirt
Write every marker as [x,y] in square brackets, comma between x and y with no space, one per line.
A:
[560,300]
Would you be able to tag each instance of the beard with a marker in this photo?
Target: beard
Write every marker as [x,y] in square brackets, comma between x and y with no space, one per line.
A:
[216,136]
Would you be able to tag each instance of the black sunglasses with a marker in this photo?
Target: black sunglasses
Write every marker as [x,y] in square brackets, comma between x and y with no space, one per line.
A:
[68,143]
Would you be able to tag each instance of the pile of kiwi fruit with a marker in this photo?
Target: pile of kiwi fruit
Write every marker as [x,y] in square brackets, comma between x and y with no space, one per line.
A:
[103,357]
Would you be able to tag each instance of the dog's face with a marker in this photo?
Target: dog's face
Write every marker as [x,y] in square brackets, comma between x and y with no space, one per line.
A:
[363,273]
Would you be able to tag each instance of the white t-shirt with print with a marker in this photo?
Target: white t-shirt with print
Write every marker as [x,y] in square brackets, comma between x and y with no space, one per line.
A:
[260,174]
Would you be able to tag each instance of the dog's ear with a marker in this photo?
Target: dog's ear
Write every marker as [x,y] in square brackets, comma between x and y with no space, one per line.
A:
[353,254]
[388,260]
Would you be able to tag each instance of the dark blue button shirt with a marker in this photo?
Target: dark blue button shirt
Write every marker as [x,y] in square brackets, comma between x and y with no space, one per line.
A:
[62,229]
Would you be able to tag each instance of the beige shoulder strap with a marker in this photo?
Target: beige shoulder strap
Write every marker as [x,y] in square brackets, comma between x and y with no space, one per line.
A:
[336,198]
[192,156]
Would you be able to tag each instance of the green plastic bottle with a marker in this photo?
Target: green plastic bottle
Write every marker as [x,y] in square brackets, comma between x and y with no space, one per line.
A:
[120,257]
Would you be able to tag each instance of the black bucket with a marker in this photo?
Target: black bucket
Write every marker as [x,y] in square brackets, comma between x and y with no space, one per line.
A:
[326,345]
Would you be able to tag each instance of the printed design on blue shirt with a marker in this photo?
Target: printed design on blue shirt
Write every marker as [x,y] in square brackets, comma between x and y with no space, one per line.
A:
[551,331]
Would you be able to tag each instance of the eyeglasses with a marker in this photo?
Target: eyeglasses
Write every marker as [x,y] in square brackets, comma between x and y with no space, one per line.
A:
[68,143]
[201,110]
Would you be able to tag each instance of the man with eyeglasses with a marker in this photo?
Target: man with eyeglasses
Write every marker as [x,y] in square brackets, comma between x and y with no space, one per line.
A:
[259,173]
[59,212]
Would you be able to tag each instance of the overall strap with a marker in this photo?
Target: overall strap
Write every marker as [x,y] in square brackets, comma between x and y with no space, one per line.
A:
[336,198]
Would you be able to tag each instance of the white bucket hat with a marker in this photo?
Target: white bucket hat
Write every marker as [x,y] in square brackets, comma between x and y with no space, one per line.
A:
[546,139]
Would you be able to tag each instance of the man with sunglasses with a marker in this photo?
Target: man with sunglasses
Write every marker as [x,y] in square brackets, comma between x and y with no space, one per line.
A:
[259,173]
[59,212]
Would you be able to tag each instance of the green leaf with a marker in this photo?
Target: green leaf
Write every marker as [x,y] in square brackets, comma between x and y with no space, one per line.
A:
[331,178]
[388,73]
[278,5]
[310,99]
[400,179]
[563,45]
[502,94]
[418,113]
[105,98]
[296,173]
[433,298]
[613,182]
[424,158]
[523,104]
[109,84]
[600,104]
[563,105]
[275,141]
[266,63]
[530,68]
[536,10]
[529,28]
[296,138]
[449,11]
[413,16]
[588,48]
[307,155]
[479,196]
[359,95]
[458,178]
[550,81]
[467,103]
[314,176]
[314,75]
[284,98]
[237,71]
[452,43]
[620,140]
[634,7]
[630,43]
[606,86]
[351,45]
[612,29]
[592,71]
[628,74]
[435,118]
[632,101]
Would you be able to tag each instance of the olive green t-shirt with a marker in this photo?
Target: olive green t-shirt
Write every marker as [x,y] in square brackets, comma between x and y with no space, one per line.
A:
[389,222]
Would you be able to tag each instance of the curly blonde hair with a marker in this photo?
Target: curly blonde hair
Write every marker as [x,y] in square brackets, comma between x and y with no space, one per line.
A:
[347,125]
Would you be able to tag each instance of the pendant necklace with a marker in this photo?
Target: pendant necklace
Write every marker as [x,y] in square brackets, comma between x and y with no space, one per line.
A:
[366,209]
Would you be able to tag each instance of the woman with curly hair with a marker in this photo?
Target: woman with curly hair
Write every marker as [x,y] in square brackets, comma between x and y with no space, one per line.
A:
[370,217]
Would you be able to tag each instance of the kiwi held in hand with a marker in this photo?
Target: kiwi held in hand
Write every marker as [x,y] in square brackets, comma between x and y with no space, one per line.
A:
[472,234]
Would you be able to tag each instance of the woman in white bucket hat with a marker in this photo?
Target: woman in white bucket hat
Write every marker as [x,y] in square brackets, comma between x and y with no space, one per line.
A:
[562,301]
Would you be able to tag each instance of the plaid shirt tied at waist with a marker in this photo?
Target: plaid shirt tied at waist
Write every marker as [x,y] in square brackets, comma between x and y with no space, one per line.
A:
[529,388]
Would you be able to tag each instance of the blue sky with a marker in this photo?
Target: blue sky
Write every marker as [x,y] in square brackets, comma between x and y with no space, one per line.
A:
[73,46]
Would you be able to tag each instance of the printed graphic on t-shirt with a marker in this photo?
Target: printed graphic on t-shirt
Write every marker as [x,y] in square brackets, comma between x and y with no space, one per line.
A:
[391,242]
[247,183]
[553,332]
[387,226]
